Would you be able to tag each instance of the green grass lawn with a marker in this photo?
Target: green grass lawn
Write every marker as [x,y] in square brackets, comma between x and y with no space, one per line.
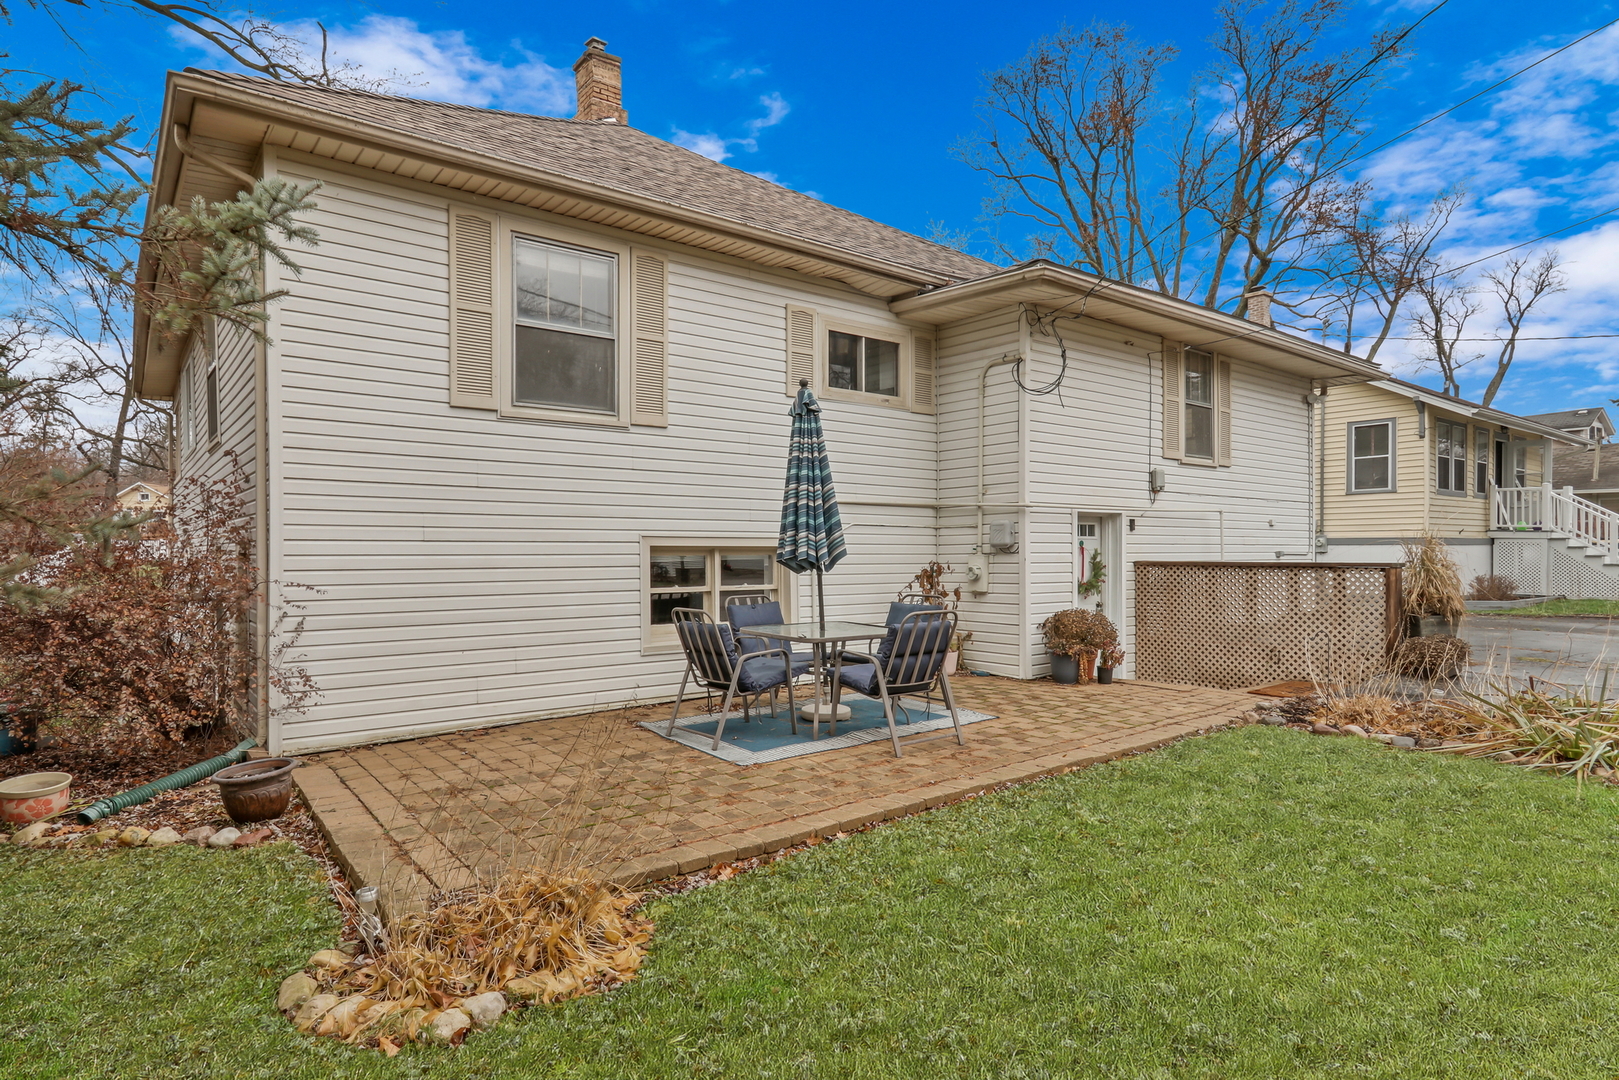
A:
[1561,607]
[1258,903]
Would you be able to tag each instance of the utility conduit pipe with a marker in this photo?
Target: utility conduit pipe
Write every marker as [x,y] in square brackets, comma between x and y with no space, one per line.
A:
[184,778]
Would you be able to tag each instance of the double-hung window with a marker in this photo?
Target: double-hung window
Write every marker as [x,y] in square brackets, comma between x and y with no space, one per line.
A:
[1199,405]
[1450,450]
[565,354]
[1482,438]
[1371,456]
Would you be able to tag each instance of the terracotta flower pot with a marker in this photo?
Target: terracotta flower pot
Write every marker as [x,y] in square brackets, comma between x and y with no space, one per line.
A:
[257,790]
[34,796]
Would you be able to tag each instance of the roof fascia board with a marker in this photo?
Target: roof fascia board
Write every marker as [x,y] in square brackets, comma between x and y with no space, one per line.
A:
[1149,303]
[1480,412]
[385,140]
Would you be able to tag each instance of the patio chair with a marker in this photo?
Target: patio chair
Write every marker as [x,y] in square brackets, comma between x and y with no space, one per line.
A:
[910,660]
[759,610]
[713,660]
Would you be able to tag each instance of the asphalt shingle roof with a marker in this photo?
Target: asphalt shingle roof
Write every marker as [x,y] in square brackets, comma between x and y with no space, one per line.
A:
[1570,418]
[620,158]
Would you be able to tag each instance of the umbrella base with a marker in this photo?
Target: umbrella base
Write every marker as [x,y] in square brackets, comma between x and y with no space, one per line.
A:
[828,714]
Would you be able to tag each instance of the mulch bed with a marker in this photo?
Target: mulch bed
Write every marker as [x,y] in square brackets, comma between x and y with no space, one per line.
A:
[99,772]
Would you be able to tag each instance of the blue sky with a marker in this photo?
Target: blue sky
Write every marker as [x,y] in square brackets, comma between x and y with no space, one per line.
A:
[860,104]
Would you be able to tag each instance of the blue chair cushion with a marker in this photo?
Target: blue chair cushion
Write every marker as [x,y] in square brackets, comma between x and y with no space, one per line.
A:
[861,678]
[763,672]
[743,616]
[898,611]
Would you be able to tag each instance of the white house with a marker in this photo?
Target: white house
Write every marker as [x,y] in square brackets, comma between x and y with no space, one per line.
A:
[530,391]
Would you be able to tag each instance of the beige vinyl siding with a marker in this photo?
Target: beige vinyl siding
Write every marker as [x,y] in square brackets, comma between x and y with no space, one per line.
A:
[1416,506]
[475,569]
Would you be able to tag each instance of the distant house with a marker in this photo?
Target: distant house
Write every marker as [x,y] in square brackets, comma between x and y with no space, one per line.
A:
[143,497]
[1400,461]
[1592,424]
[1592,474]
[531,390]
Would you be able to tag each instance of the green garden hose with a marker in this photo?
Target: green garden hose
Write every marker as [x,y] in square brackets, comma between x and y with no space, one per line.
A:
[184,778]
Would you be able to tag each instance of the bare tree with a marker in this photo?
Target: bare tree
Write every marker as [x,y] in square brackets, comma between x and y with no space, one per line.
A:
[1372,270]
[1519,285]
[1443,309]
[1080,146]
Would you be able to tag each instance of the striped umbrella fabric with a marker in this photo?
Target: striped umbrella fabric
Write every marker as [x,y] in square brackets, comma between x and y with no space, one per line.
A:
[811,530]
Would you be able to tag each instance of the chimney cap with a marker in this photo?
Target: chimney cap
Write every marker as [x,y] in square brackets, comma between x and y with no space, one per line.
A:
[595,44]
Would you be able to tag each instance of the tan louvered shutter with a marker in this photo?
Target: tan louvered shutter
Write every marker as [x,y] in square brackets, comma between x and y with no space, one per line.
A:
[472,310]
[1222,419]
[649,339]
[1174,388]
[924,373]
[800,346]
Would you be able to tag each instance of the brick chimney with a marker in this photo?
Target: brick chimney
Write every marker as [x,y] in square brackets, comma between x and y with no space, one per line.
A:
[1258,305]
[601,88]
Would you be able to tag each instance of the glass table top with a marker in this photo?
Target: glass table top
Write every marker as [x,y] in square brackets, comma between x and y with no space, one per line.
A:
[815,632]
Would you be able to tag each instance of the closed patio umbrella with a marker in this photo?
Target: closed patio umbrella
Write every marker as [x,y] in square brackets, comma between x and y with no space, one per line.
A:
[811,531]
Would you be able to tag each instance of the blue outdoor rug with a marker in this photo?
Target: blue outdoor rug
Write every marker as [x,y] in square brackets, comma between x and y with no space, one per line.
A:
[770,738]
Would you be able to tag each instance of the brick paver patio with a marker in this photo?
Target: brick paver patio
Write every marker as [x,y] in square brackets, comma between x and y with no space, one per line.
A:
[434,814]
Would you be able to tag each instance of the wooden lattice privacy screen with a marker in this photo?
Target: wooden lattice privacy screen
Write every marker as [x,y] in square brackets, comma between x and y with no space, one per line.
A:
[1230,624]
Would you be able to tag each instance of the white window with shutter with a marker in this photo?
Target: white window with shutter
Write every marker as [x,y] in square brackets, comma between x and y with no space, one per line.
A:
[1197,422]
[853,361]
[548,323]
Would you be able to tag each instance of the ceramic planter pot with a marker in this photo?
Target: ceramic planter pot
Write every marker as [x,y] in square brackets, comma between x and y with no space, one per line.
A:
[34,796]
[256,790]
[951,659]
[19,730]
[1064,669]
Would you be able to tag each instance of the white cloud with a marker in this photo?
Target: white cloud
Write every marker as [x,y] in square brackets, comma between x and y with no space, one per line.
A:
[719,148]
[1537,153]
[441,65]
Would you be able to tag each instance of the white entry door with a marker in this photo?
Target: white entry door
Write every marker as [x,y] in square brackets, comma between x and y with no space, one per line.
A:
[1091,565]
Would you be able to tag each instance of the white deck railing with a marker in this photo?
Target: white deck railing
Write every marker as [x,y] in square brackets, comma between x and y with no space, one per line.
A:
[1546,509]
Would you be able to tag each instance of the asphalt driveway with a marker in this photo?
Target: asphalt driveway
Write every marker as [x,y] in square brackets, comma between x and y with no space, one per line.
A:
[1571,650]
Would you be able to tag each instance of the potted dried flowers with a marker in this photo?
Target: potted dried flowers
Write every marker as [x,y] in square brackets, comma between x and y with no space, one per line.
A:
[1074,637]
[1111,656]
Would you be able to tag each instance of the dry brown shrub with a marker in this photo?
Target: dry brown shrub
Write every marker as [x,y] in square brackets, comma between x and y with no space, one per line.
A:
[1439,657]
[1492,587]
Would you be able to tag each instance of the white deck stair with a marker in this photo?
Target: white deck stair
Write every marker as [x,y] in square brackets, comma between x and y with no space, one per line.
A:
[1551,542]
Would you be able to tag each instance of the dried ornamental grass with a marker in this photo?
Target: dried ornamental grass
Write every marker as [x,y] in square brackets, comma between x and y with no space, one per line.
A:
[538,935]
[1568,732]
[1492,587]
[1430,582]
[1438,657]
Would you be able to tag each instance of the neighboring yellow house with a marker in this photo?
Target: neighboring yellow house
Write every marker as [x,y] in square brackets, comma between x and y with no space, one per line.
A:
[1397,461]
[144,498]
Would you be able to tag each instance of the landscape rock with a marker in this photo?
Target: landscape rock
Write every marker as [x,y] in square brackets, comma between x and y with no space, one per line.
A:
[163,838]
[448,1027]
[104,835]
[1324,729]
[254,838]
[485,1009]
[1405,741]
[199,835]
[224,838]
[1429,744]
[310,1013]
[134,836]
[329,958]
[31,834]
[1356,729]
[1383,738]
[1274,721]
[295,991]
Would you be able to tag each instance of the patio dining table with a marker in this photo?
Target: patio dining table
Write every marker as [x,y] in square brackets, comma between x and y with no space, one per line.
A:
[828,637]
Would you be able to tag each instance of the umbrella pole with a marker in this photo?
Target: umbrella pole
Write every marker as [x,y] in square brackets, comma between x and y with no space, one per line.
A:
[820,597]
